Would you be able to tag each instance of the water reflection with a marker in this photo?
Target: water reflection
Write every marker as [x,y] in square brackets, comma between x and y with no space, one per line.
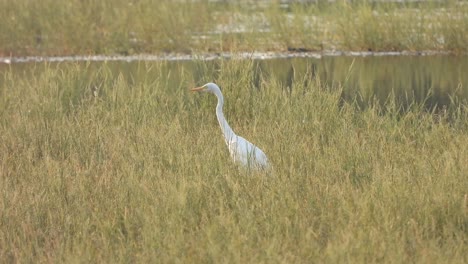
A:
[435,81]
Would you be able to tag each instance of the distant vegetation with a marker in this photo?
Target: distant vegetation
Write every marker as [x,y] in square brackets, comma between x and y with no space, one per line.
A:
[75,27]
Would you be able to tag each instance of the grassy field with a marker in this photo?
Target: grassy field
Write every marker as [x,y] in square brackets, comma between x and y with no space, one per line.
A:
[75,27]
[140,173]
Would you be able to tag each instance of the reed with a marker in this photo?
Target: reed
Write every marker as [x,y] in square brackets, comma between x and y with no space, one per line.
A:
[140,172]
[134,27]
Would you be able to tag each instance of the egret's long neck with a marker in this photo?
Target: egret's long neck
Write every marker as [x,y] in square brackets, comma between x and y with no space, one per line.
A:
[227,131]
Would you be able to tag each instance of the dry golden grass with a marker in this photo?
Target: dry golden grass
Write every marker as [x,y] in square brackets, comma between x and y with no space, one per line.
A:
[140,173]
[133,27]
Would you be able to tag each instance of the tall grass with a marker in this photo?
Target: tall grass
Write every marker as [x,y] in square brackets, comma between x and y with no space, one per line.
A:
[104,27]
[371,26]
[140,172]
[127,27]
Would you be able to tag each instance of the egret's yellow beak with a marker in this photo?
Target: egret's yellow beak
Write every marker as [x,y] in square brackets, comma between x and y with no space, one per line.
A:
[198,89]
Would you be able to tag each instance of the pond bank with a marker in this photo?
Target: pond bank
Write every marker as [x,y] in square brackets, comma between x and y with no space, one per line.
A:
[214,56]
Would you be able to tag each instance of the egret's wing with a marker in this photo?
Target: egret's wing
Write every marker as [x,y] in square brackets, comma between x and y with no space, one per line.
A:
[246,153]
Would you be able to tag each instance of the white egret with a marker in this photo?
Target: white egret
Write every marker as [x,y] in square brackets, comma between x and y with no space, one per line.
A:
[241,150]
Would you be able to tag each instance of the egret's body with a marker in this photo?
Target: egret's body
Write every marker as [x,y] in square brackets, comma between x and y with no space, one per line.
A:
[241,150]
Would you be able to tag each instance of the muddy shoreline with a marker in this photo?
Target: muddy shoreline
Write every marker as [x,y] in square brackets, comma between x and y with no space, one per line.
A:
[215,56]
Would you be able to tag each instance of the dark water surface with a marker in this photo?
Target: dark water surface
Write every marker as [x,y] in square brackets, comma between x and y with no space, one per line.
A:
[436,81]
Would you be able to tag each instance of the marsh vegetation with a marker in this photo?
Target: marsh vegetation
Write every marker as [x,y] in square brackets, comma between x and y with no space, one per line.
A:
[118,162]
[140,173]
[133,27]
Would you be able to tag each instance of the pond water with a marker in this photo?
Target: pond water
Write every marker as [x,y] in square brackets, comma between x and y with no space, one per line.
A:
[436,81]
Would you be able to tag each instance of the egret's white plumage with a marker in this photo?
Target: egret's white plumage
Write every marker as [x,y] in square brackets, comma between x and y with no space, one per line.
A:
[241,150]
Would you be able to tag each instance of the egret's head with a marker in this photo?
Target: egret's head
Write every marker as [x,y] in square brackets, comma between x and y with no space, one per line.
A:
[209,87]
